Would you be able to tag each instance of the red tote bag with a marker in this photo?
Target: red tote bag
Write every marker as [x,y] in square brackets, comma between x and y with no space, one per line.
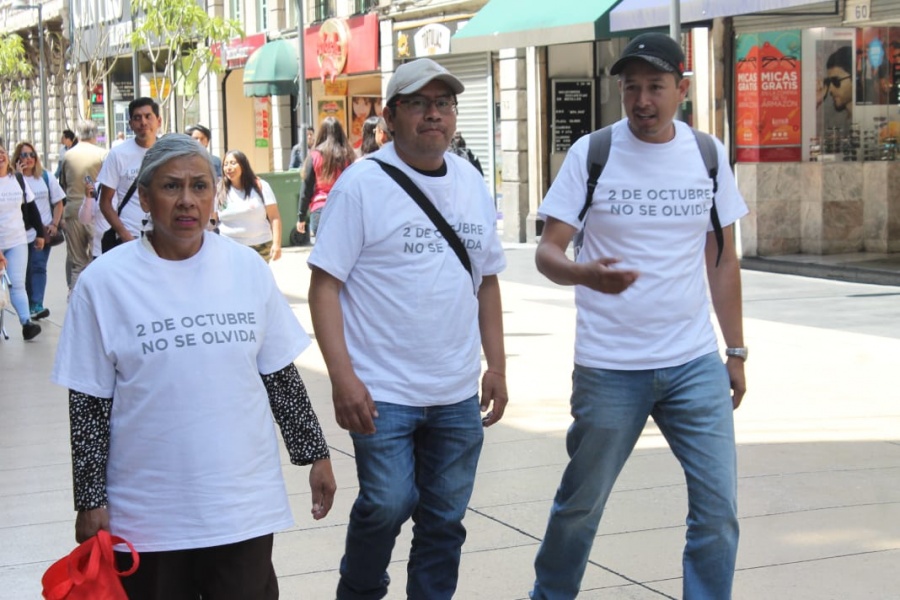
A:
[89,571]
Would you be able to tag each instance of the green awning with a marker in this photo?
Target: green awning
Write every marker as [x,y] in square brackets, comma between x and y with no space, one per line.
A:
[523,23]
[272,70]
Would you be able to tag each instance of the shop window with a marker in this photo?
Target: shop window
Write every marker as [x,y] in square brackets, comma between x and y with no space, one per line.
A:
[824,94]
[262,14]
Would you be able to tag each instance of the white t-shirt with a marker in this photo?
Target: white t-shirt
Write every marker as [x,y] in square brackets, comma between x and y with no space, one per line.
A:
[651,210]
[118,172]
[244,217]
[44,194]
[193,458]
[12,227]
[410,312]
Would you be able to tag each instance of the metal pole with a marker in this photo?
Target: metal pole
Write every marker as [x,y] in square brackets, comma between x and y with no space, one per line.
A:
[301,86]
[45,142]
[135,67]
[45,110]
[675,33]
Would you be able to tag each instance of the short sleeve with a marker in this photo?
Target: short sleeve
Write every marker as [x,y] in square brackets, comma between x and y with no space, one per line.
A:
[82,364]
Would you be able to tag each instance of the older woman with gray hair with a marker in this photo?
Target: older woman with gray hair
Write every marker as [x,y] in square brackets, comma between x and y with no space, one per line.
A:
[174,381]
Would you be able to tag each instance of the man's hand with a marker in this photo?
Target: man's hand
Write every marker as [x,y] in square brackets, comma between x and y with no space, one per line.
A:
[600,276]
[322,486]
[39,243]
[493,389]
[89,522]
[735,368]
[354,408]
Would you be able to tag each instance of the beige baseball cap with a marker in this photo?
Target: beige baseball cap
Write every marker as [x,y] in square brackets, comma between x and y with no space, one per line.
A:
[411,77]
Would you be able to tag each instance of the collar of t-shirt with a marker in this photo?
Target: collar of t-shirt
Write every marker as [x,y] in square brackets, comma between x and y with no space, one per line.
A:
[439,172]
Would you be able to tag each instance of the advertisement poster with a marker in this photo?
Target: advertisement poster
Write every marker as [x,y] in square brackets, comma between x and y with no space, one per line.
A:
[332,106]
[829,92]
[363,108]
[262,112]
[768,97]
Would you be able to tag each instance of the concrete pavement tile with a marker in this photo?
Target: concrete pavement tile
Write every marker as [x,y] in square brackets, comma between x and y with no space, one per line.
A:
[41,542]
[36,479]
[36,453]
[869,576]
[23,582]
[37,507]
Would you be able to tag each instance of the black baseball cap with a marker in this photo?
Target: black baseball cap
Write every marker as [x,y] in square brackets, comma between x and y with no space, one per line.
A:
[658,49]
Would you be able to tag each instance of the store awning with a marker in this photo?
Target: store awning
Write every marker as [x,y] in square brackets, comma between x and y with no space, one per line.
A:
[523,23]
[272,70]
[648,14]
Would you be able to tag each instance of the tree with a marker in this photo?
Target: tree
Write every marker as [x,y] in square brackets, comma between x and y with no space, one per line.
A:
[177,35]
[14,69]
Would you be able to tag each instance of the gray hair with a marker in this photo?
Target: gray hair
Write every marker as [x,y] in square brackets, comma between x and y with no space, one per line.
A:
[86,130]
[169,147]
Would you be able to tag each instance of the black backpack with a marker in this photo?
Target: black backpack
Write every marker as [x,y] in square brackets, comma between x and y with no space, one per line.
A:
[598,153]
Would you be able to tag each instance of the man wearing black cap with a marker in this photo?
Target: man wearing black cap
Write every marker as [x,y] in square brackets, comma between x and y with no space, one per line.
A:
[645,345]
[401,319]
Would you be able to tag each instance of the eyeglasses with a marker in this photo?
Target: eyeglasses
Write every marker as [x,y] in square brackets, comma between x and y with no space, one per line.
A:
[420,104]
[27,155]
[834,81]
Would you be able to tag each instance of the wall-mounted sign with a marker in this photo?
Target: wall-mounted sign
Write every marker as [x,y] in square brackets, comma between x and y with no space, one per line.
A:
[341,47]
[573,111]
[858,11]
[431,39]
[262,113]
[235,53]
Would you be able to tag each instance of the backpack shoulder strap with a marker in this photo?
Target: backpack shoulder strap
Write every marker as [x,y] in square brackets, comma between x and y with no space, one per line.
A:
[21,181]
[598,153]
[710,155]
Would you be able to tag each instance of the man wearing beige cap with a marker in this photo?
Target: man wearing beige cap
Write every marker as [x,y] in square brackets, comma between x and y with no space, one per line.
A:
[403,303]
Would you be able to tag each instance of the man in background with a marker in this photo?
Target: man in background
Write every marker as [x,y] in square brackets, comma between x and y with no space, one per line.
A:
[82,161]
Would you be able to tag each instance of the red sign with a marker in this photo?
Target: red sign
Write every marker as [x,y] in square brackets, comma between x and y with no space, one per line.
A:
[341,47]
[237,51]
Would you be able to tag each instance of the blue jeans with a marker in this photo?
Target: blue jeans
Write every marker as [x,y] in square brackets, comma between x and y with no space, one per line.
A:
[36,274]
[420,463]
[692,407]
[16,266]
[314,218]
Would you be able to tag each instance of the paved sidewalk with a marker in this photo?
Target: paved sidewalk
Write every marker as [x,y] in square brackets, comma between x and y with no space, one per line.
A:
[819,455]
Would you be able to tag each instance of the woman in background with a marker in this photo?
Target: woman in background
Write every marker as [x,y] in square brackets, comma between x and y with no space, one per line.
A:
[331,155]
[374,136]
[48,196]
[246,208]
[13,241]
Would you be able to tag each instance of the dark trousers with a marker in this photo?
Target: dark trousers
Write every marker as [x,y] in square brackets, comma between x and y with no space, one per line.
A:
[240,571]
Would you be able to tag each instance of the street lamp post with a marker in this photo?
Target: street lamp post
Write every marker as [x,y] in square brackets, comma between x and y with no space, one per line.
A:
[44,110]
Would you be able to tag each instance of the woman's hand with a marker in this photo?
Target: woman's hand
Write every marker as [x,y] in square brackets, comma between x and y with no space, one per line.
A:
[275,252]
[322,486]
[38,243]
[89,522]
[2,261]
[301,226]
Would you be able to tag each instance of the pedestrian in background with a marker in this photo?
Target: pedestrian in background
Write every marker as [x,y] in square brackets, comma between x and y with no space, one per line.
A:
[297,155]
[246,207]
[67,141]
[14,242]
[48,196]
[458,147]
[325,163]
[79,172]
[118,202]
[402,322]
[373,136]
[173,442]
[202,134]
[645,345]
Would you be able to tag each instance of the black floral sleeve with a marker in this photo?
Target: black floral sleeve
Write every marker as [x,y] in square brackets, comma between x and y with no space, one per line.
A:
[295,416]
[89,431]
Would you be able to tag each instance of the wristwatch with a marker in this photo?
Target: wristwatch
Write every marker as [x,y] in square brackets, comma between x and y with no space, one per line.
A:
[740,353]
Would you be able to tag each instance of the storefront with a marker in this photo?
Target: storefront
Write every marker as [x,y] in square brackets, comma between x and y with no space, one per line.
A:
[477,115]
[817,122]
[341,64]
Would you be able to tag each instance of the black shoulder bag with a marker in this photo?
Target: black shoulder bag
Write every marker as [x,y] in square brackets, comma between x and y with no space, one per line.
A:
[110,238]
[428,208]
